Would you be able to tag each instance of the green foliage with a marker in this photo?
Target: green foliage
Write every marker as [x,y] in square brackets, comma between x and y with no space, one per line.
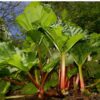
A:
[98,87]
[52,82]
[72,41]
[80,52]
[4,34]
[52,63]
[47,41]
[57,37]
[62,42]
[69,59]
[16,57]
[29,89]
[72,72]
[36,15]
[71,29]
[6,52]
[84,14]
[95,40]
[4,87]
[4,72]
[23,61]
[93,69]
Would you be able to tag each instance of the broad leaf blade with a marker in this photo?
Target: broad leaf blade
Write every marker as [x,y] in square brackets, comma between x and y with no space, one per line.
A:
[31,14]
[52,62]
[72,41]
[48,17]
[23,61]
[36,15]
[23,22]
[57,37]
[80,52]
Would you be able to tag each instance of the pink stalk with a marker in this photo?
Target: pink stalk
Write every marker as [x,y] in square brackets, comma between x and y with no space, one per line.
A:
[77,79]
[62,74]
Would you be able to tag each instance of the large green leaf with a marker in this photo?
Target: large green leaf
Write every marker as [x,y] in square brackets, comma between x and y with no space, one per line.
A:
[72,41]
[23,61]
[31,14]
[16,61]
[80,52]
[63,43]
[33,11]
[48,17]
[23,22]
[36,15]
[16,58]
[57,37]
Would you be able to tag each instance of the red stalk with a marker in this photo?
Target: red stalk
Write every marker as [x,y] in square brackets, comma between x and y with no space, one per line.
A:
[41,90]
[62,74]
[33,81]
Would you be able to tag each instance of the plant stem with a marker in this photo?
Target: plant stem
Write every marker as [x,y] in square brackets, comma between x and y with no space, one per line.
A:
[36,76]
[62,75]
[41,90]
[44,79]
[82,85]
[76,81]
[40,62]
[33,81]
[39,55]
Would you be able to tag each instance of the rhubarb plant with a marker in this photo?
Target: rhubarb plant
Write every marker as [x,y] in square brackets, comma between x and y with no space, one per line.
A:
[48,53]
[32,21]
[80,52]
[42,26]
[63,43]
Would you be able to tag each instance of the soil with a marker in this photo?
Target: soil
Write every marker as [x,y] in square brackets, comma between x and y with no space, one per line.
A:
[72,95]
[79,97]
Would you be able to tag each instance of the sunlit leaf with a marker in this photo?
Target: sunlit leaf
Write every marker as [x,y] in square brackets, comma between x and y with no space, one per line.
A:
[35,15]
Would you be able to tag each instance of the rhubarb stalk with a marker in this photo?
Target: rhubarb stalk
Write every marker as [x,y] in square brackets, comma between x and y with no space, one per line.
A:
[82,86]
[62,75]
